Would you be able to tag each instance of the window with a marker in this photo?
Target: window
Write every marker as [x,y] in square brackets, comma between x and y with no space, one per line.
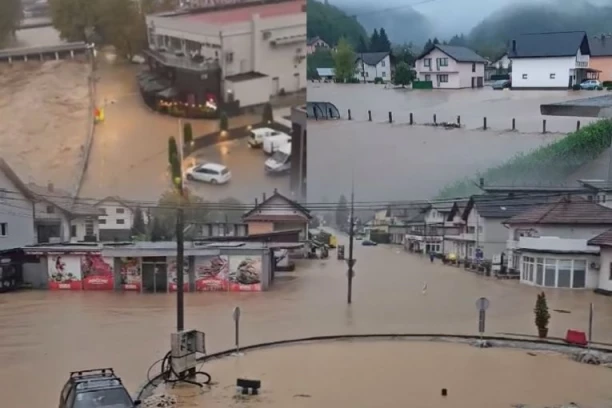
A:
[524,76]
[550,272]
[3,229]
[471,230]
[552,76]
[539,272]
[50,209]
[120,210]
[564,277]
[384,74]
[442,62]
[427,62]
[121,222]
[102,221]
[428,77]
[73,231]
[89,227]
[473,67]
[382,63]
[442,78]
[579,276]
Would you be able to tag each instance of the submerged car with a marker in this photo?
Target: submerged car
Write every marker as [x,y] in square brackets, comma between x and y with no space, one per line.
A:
[99,387]
[501,84]
[591,84]
[368,242]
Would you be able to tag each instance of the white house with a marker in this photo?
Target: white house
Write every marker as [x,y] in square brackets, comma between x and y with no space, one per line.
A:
[16,210]
[316,43]
[260,47]
[550,243]
[115,219]
[556,60]
[372,65]
[604,242]
[502,63]
[451,67]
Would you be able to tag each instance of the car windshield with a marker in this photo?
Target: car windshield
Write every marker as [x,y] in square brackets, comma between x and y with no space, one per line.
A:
[500,82]
[279,157]
[109,398]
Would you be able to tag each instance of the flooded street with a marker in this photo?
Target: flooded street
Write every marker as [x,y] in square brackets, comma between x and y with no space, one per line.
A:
[47,334]
[415,162]
[129,153]
[385,373]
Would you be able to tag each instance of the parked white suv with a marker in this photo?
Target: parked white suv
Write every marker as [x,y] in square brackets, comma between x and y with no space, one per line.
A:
[209,173]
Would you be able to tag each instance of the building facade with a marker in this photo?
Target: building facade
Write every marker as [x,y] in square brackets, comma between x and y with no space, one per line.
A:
[115,220]
[557,60]
[16,210]
[277,213]
[601,55]
[260,49]
[372,65]
[451,67]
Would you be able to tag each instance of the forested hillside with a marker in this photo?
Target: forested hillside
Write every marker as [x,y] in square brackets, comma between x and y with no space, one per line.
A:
[330,24]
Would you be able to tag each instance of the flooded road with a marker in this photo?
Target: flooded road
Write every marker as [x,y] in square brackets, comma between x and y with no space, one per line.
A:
[402,162]
[48,334]
[385,374]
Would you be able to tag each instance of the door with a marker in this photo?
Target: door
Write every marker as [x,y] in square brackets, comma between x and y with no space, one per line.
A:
[480,82]
[161,278]
[571,81]
[275,86]
[154,277]
[473,82]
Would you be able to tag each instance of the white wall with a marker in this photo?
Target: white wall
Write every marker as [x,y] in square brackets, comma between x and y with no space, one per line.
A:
[80,224]
[382,70]
[538,72]
[17,212]
[459,74]
[113,213]
[466,74]
[250,92]
[605,275]
[493,237]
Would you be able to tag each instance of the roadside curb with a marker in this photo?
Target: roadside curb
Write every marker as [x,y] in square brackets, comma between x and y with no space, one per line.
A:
[146,389]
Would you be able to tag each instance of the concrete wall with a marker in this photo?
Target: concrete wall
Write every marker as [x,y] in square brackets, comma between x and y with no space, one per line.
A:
[538,72]
[37,274]
[114,213]
[250,92]
[494,237]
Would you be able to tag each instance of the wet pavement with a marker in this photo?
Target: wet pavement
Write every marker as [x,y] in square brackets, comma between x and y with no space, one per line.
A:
[48,334]
[402,162]
[386,373]
[129,152]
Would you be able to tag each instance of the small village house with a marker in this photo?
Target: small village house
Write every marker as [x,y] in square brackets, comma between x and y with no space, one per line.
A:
[556,60]
[277,213]
[372,65]
[429,228]
[16,210]
[316,43]
[451,67]
[503,63]
[551,244]
[326,74]
[601,55]
[116,219]
[604,242]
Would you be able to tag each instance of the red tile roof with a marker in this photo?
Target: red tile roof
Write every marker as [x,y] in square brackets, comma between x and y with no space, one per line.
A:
[242,14]
[574,210]
[603,239]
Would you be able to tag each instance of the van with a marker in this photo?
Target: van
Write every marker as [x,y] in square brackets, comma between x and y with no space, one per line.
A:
[272,143]
[257,136]
[280,161]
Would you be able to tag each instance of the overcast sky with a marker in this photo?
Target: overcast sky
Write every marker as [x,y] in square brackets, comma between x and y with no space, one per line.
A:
[453,16]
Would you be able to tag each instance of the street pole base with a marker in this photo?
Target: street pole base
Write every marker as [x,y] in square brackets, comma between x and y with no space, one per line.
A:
[237,354]
[482,343]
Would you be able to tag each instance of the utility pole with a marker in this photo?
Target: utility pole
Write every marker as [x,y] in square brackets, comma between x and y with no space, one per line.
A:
[180,241]
[351,261]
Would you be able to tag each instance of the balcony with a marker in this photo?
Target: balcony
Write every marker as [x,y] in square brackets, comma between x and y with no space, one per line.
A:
[582,62]
[170,59]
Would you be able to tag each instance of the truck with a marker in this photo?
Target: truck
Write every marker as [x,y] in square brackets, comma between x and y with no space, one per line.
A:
[257,136]
[280,162]
[272,143]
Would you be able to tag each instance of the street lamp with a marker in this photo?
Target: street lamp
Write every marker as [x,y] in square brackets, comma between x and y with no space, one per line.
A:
[351,260]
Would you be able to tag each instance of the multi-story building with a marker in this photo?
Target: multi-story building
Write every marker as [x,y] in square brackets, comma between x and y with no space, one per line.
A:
[451,67]
[239,52]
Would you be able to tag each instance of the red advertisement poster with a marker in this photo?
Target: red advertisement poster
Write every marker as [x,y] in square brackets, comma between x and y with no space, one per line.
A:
[244,273]
[131,276]
[172,274]
[64,272]
[211,273]
[97,272]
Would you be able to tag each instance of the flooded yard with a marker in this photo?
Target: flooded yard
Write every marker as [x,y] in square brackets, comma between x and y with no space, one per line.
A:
[48,334]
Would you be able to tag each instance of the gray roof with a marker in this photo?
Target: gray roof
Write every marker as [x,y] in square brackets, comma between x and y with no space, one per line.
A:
[371,58]
[601,46]
[459,54]
[63,200]
[323,72]
[554,44]
[504,207]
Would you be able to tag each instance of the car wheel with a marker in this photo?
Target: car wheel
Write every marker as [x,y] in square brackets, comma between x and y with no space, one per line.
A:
[214,181]
[189,177]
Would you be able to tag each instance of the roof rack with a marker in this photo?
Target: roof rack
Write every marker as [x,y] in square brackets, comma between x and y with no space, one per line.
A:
[106,372]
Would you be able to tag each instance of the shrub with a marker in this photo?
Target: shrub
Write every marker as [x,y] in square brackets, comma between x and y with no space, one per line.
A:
[609,88]
[552,163]
[378,80]
[187,134]
[172,150]
[282,92]
[223,122]
[353,80]
[607,84]
[542,315]
[576,87]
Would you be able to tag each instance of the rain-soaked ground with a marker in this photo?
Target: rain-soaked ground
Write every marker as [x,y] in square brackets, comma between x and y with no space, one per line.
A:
[389,374]
[402,162]
[47,334]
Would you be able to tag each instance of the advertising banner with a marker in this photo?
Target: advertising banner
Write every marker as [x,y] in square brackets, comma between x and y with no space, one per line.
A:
[131,276]
[172,274]
[97,272]
[211,273]
[244,273]
[64,272]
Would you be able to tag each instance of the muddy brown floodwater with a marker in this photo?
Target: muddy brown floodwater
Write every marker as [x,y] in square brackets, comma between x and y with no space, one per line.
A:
[388,374]
[47,334]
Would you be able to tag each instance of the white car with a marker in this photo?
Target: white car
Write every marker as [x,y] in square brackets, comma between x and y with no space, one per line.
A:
[212,173]
[280,162]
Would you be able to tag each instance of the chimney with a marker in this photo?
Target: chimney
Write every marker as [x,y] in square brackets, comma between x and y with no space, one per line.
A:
[481,182]
[275,191]
[263,197]
[50,187]
[514,46]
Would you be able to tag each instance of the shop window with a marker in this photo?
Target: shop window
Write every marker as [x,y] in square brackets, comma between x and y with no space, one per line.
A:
[579,276]
[550,272]
[564,276]
[539,274]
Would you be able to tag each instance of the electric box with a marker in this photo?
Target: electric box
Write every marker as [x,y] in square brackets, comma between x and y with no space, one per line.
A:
[184,346]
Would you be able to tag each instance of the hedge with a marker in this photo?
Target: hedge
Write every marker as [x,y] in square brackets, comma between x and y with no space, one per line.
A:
[550,164]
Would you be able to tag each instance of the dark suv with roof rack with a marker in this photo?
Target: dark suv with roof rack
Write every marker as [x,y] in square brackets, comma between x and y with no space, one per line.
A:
[97,388]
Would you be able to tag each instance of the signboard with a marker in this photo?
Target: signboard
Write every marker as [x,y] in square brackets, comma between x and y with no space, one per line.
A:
[482,304]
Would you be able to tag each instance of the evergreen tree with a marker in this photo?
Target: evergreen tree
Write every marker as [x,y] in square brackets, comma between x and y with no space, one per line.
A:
[187,134]
[374,41]
[435,41]
[428,45]
[138,225]
[268,115]
[223,122]
[383,41]
[362,46]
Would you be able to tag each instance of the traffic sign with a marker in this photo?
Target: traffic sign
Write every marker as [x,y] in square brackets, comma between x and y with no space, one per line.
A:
[482,304]
[236,313]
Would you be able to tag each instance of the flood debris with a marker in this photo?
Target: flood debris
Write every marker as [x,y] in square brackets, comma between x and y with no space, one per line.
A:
[445,125]
[482,344]
[160,400]
[302,396]
[589,357]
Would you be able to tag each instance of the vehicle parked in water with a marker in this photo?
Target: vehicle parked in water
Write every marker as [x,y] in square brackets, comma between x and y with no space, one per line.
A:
[502,84]
[257,136]
[273,143]
[212,173]
[99,387]
[280,162]
[368,242]
[591,85]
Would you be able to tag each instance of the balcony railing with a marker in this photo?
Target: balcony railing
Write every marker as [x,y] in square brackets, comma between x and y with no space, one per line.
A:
[184,61]
[582,62]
